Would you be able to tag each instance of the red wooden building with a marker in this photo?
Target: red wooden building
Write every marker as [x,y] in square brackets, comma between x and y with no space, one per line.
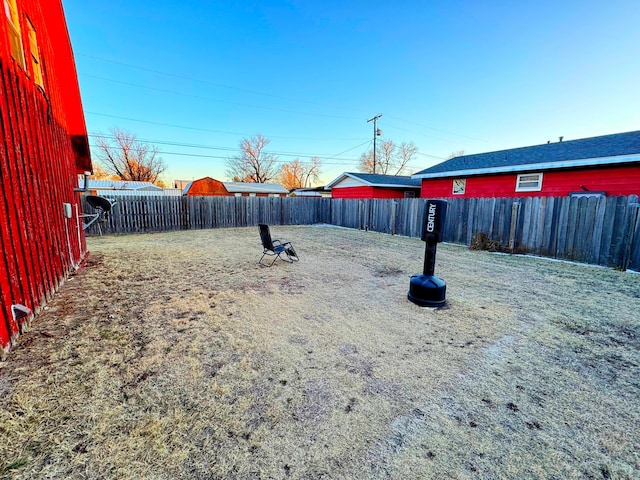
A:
[605,165]
[372,185]
[43,147]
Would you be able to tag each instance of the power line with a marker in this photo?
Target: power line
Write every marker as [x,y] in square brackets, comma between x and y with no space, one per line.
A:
[430,156]
[219,157]
[352,148]
[209,82]
[222,132]
[434,129]
[180,144]
[255,92]
[228,149]
[200,97]
[162,142]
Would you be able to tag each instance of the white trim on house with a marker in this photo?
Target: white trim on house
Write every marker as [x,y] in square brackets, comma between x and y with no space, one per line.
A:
[459,186]
[583,162]
[348,180]
[529,182]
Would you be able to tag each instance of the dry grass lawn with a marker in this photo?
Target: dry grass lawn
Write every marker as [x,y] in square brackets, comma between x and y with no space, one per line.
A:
[174,356]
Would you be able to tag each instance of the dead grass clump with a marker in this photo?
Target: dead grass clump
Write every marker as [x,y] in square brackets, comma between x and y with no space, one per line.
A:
[481,241]
[175,356]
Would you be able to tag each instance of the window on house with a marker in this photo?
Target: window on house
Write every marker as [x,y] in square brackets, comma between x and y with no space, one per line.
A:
[588,194]
[15,38]
[36,65]
[529,182]
[409,194]
[459,186]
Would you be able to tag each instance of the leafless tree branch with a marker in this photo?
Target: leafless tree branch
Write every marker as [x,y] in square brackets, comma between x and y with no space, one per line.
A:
[253,164]
[123,155]
[389,158]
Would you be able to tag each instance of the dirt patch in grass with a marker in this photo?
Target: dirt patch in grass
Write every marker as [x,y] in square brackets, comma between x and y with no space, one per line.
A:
[176,356]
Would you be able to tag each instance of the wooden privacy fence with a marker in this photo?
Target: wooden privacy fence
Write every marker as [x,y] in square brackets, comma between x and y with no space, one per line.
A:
[140,214]
[597,230]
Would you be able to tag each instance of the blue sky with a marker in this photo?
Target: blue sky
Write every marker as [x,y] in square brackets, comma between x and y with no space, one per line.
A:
[195,77]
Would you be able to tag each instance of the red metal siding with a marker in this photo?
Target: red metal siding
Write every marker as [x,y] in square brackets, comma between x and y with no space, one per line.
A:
[39,158]
[615,181]
[207,187]
[366,192]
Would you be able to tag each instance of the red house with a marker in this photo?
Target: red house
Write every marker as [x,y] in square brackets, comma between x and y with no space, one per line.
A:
[605,165]
[372,185]
[43,147]
[210,187]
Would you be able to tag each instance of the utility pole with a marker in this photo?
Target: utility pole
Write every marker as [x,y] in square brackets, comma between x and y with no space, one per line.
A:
[376,133]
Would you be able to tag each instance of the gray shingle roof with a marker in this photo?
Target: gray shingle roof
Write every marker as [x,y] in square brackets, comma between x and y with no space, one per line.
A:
[377,180]
[572,153]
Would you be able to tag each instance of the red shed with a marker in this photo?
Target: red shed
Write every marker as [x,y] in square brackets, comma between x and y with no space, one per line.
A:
[206,187]
[372,185]
[605,165]
[210,187]
[43,147]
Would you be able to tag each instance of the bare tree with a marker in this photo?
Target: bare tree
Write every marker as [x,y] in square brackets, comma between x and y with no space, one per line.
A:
[392,159]
[366,162]
[297,174]
[253,164]
[406,153]
[385,159]
[457,153]
[99,173]
[123,155]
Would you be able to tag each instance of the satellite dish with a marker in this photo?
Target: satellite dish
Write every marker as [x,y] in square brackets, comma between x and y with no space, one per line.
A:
[101,206]
[99,203]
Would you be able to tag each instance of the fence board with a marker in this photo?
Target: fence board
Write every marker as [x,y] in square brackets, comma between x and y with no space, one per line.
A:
[527,217]
[619,231]
[547,226]
[633,262]
[632,234]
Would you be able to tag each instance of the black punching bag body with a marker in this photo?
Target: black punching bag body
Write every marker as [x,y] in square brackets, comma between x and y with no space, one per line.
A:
[426,289]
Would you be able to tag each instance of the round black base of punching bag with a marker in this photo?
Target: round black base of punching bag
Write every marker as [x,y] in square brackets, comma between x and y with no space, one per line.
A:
[427,291]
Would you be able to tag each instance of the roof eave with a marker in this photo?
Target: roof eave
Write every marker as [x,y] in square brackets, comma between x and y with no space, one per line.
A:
[341,177]
[366,183]
[583,162]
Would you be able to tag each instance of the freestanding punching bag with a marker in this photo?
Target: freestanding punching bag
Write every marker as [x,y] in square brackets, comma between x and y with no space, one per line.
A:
[426,289]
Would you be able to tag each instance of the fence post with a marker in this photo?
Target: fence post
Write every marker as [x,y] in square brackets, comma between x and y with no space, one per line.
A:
[515,214]
[394,205]
[633,227]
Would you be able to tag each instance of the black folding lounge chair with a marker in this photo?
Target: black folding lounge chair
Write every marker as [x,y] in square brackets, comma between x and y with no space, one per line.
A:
[275,247]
